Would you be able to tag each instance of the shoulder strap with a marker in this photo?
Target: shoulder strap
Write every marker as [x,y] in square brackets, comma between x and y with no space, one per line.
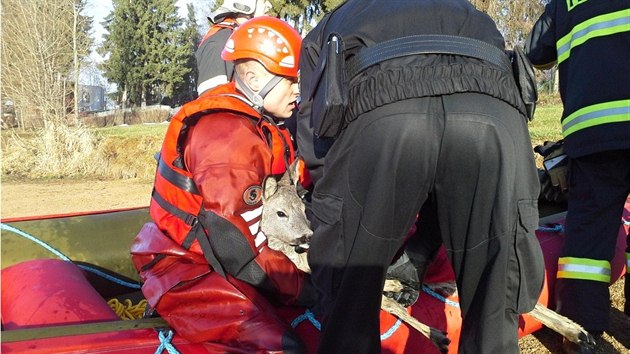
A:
[427,44]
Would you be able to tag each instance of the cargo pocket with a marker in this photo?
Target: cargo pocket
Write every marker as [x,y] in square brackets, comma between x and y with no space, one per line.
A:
[528,257]
[325,255]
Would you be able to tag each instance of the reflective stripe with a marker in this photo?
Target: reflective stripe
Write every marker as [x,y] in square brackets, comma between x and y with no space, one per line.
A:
[573,3]
[627,262]
[583,268]
[597,114]
[260,238]
[253,229]
[252,214]
[599,26]
[211,82]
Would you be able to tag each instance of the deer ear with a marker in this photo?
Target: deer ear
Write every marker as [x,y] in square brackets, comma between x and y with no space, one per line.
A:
[296,170]
[270,185]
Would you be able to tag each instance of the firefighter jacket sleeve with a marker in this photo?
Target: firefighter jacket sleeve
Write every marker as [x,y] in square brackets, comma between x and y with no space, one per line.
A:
[540,46]
[228,161]
[211,69]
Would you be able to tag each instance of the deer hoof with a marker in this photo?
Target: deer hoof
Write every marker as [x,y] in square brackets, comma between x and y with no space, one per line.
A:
[585,346]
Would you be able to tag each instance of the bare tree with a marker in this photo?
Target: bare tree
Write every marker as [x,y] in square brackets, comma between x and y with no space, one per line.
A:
[38,51]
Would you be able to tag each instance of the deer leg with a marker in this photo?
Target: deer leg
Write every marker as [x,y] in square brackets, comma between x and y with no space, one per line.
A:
[562,325]
[437,337]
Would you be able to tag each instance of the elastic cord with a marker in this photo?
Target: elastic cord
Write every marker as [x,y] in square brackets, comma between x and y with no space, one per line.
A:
[269,86]
[258,98]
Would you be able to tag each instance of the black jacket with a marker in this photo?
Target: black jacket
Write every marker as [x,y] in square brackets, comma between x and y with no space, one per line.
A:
[593,38]
[404,77]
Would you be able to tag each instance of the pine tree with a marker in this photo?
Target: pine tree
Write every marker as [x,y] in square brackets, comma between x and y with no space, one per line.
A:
[148,51]
[187,90]
[119,48]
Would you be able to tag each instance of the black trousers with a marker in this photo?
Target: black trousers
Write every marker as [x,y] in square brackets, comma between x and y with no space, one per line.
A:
[599,185]
[473,155]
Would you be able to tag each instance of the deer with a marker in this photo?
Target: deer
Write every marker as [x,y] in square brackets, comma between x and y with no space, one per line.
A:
[288,230]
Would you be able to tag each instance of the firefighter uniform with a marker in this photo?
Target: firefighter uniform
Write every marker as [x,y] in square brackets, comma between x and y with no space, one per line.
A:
[211,69]
[590,42]
[444,131]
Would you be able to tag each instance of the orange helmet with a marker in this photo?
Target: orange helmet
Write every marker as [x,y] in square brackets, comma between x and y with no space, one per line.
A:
[271,41]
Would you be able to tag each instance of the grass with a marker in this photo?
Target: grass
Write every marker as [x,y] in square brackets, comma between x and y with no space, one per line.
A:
[156,130]
[120,152]
[546,124]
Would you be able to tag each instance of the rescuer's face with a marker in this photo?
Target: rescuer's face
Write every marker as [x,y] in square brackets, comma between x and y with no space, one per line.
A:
[282,100]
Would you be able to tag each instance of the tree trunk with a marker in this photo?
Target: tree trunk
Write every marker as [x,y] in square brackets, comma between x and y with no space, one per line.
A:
[75,51]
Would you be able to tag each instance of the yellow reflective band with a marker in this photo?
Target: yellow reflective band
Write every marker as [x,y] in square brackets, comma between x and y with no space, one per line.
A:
[599,26]
[597,114]
[584,269]
[627,262]
[573,3]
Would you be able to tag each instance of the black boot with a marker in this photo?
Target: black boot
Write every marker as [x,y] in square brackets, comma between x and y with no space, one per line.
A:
[410,276]
[404,271]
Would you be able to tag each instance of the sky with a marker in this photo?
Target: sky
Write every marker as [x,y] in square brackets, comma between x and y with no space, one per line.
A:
[99,9]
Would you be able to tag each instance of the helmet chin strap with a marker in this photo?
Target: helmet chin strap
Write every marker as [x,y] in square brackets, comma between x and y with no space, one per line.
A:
[257,99]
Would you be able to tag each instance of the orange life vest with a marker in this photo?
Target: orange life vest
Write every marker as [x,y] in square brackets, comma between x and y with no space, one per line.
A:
[226,23]
[176,203]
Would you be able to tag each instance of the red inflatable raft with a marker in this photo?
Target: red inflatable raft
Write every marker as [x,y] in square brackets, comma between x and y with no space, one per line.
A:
[49,306]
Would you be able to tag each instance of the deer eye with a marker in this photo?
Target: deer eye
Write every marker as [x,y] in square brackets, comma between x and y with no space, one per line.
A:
[281,214]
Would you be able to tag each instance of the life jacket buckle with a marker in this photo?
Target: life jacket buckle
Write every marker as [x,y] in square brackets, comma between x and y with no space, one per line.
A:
[191,220]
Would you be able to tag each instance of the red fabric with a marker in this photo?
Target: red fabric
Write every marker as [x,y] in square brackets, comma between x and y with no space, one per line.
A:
[46,292]
[222,143]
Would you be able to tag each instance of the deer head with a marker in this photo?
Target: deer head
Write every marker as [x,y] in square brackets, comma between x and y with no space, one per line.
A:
[284,219]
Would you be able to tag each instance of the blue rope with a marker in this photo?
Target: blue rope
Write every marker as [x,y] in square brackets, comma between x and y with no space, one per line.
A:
[109,277]
[428,290]
[391,331]
[165,343]
[555,228]
[308,315]
[57,253]
[4,226]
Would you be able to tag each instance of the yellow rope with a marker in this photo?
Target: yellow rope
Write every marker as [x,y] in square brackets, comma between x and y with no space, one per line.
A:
[127,310]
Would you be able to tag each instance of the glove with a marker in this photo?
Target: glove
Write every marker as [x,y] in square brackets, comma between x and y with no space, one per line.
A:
[547,191]
[555,162]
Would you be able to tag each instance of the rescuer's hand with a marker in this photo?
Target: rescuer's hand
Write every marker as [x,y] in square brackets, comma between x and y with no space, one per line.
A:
[555,163]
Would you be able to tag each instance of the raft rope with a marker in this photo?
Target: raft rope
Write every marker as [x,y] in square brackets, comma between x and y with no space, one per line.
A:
[434,294]
[127,310]
[62,256]
[555,228]
[165,343]
[308,315]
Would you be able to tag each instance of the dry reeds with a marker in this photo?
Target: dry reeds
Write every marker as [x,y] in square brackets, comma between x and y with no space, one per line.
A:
[62,151]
